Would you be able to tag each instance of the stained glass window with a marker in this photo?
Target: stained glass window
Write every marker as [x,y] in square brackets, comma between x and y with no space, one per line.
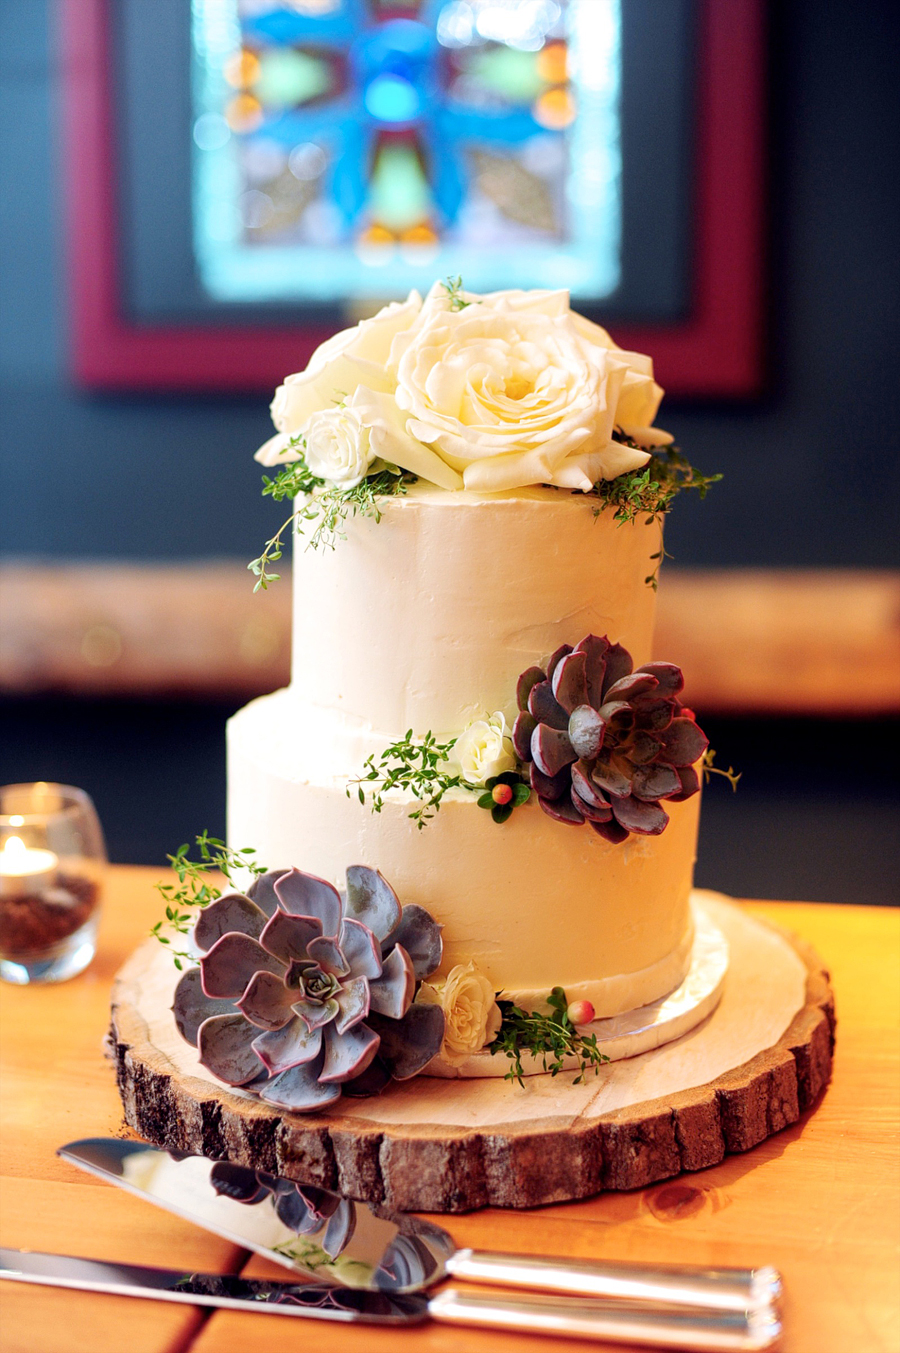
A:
[346,149]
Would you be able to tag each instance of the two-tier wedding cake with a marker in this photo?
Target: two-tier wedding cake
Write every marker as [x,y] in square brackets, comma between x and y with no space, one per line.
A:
[474,712]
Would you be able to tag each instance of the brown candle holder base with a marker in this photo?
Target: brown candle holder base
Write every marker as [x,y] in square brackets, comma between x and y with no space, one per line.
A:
[48,936]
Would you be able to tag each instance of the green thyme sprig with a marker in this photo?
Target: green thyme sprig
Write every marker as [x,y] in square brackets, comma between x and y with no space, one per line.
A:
[331,507]
[651,491]
[194,889]
[272,552]
[551,1037]
[454,288]
[291,480]
[327,508]
[417,765]
[709,770]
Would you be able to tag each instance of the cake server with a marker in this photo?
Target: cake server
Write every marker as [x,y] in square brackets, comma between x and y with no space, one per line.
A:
[331,1239]
[721,1331]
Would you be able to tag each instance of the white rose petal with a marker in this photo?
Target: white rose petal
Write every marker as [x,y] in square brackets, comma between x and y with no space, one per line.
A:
[472,1017]
[391,441]
[483,750]
[278,450]
[338,449]
[539,302]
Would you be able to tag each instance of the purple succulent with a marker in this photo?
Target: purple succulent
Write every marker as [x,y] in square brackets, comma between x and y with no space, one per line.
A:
[303,993]
[606,743]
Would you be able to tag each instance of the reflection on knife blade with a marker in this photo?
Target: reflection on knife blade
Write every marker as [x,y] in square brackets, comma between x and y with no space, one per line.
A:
[210,1289]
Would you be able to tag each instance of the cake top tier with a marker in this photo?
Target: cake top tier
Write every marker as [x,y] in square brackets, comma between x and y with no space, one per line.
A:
[485,393]
[426,619]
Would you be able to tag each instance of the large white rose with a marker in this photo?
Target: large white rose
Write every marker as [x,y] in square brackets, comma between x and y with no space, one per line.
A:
[351,368]
[514,389]
[483,750]
[352,357]
[472,1017]
[338,447]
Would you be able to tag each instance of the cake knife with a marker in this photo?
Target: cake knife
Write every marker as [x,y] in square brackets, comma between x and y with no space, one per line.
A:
[334,1240]
[716,1331]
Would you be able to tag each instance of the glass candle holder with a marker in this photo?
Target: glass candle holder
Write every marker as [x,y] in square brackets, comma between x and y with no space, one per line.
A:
[52,861]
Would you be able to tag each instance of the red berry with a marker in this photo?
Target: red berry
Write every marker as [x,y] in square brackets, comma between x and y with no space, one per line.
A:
[502,794]
[580,1012]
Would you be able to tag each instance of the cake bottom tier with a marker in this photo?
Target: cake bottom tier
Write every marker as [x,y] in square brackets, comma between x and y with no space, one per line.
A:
[532,902]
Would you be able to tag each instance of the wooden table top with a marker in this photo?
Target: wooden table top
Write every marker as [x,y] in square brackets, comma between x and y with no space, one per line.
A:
[820,1200]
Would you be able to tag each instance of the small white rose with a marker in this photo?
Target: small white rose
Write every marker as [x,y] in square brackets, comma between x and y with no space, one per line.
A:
[483,750]
[472,1017]
[337,447]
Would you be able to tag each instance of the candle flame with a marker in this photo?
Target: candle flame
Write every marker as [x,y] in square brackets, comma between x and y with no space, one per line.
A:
[14,847]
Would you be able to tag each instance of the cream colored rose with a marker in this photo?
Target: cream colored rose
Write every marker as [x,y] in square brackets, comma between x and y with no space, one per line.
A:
[483,750]
[514,389]
[350,368]
[337,447]
[351,358]
[471,1015]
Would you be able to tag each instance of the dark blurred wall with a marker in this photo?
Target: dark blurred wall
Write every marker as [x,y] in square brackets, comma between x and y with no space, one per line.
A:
[810,474]
[806,482]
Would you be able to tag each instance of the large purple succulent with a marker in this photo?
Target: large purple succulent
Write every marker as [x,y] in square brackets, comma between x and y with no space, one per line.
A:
[303,993]
[606,743]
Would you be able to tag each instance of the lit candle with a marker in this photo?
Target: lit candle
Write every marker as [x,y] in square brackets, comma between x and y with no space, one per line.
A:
[25,869]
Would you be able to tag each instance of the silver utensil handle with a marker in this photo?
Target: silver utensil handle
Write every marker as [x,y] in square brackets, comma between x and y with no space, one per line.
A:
[717,1332]
[711,1289]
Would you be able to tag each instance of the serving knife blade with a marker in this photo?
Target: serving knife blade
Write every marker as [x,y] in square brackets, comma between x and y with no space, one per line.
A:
[715,1331]
[211,1289]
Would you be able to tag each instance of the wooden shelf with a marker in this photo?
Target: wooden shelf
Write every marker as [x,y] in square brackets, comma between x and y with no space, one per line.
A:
[817,642]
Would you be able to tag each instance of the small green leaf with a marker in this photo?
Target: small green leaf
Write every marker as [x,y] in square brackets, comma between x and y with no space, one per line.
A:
[501,812]
[521,794]
[486,801]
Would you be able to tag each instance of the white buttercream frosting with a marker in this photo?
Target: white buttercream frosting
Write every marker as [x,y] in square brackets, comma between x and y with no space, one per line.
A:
[424,621]
[533,903]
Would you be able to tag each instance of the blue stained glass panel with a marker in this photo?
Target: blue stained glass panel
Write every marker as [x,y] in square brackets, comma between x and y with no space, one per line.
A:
[347,150]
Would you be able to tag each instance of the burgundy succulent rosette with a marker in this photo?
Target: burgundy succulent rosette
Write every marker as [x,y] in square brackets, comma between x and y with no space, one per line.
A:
[605,744]
[303,993]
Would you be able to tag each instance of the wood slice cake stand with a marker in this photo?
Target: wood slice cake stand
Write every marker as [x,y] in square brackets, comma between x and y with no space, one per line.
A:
[750,1069]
